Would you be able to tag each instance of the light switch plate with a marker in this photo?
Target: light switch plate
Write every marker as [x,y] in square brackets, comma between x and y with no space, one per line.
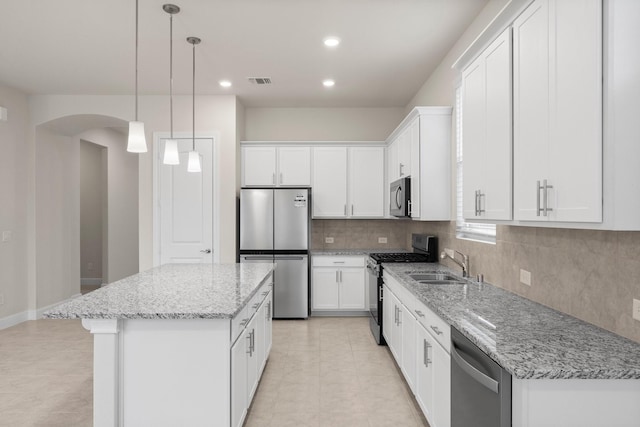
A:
[3,114]
[636,309]
[525,277]
[328,239]
[382,240]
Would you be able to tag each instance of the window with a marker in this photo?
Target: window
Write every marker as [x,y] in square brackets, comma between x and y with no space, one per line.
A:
[466,230]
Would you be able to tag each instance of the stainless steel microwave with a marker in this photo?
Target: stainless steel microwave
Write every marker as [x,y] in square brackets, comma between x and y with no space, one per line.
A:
[400,197]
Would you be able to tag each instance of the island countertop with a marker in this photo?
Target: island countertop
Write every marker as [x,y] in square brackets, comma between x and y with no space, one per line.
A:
[529,340]
[171,291]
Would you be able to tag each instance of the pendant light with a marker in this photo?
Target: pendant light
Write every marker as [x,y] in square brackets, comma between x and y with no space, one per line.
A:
[137,142]
[194,156]
[171,155]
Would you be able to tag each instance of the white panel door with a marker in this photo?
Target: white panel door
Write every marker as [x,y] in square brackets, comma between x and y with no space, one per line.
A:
[186,206]
[325,289]
[329,182]
[366,182]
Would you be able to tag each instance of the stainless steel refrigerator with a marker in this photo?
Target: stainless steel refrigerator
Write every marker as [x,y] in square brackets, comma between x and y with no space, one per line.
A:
[274,227]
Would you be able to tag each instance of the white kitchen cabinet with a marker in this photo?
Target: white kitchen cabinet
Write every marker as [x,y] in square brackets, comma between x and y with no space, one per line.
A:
[329,182]
[276,165]
[557,81]
[442,387]
[424,390]
[408,365]
[348,182]
[366,182]
[486,133]
[239,392]
[338,283]
[422,143]
[388,316]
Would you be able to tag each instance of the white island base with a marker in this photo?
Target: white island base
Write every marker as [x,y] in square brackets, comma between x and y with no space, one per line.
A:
[179,372]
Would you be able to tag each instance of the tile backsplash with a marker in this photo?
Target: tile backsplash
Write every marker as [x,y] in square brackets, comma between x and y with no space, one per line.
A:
[589,274]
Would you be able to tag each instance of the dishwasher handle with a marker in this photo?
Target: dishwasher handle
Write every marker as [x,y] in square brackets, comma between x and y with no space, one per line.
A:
[478,376]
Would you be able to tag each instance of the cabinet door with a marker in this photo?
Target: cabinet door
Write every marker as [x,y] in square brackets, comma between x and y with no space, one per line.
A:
[352,289]
[294,166]
[258,166]
[253,364]
[393,172]
[388,315]
[575,149]
[414,143]
[424,371]
[239,391]
[531,107]
[404,154]
[397,337]
[442,387]
[496,190]
[329,182]
[325,289]
[473,135]
[259,339]
[366,182]
[268,325]
[408,365]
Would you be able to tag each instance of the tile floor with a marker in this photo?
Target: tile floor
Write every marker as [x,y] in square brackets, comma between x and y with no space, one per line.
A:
[321,372]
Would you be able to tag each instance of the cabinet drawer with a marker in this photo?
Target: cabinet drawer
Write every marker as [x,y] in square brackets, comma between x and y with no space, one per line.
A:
[437,327]
[238,323]
[337,261]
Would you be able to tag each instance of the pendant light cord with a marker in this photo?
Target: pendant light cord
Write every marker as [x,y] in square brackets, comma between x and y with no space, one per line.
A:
[171,72]
[136,60]
[193,104]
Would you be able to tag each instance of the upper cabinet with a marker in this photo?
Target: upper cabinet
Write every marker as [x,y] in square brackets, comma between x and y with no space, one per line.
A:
[486,133]
[420,148]
[276,166]
[557,84]
[348,182]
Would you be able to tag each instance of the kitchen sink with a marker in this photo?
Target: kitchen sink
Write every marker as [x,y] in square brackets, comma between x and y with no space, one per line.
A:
[437,279]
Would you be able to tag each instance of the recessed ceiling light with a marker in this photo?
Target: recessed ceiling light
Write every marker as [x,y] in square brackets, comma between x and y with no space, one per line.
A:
[328,83]
[225,83]
[331,41]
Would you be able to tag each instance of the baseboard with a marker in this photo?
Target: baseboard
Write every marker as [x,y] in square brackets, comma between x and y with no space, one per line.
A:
[37,314]
[89,281]
[14,319]
[338,313]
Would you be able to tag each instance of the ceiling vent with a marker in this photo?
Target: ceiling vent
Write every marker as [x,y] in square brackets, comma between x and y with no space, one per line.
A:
[260,80]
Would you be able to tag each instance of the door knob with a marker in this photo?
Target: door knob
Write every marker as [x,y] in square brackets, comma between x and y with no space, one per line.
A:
[206,251]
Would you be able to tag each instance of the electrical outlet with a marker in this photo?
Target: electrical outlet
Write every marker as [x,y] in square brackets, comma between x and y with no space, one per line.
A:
[328,239]
[6,236]
[1,299]
[636,309]
[382,240]
[525,277]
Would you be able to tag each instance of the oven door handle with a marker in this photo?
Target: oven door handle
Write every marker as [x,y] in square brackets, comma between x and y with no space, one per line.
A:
[478,376]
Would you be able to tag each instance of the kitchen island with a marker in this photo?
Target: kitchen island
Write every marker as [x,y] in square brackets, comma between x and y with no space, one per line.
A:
[180,344]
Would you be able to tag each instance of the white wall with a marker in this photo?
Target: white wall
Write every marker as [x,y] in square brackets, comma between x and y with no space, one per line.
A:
[122,202]
[321,124]
[13,202]
[91,210]
[57,227]
[213,113]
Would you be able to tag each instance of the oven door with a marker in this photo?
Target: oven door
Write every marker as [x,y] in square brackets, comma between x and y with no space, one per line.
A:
[373,272]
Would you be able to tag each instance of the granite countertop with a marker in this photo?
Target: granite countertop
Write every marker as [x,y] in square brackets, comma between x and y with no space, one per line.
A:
[337,252]
[171,291]
[529,340]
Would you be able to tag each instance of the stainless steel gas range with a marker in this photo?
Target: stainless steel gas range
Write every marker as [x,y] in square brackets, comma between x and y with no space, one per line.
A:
[425,249]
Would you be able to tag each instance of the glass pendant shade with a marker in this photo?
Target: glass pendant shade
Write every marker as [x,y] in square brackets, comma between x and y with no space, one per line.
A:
[194,162]
[137,141]
[171,155]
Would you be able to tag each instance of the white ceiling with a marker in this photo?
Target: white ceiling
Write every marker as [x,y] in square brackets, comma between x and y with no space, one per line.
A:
[389,47]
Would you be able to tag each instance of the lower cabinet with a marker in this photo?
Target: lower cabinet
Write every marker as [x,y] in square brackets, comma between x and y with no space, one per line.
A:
[433,382]
[418,340]
[338,283]
[249,354]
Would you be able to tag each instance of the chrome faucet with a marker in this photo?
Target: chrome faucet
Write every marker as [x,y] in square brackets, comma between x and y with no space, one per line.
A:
[451,254]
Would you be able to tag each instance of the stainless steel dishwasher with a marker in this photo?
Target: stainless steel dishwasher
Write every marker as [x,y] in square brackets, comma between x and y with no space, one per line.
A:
[480,388]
